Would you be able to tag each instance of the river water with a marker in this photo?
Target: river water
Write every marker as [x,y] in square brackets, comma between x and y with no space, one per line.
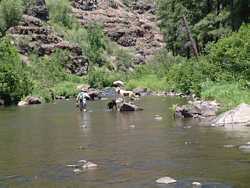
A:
[132,149]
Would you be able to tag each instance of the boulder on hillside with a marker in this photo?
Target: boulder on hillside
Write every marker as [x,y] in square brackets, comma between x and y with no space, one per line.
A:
[239,116]
[197,109]
[38,9]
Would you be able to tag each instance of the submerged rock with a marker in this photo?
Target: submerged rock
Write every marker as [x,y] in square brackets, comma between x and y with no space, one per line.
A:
[158,117]
[89,165]
[239,116]
[197,185]
[166,180]
[245,148]
[82,165]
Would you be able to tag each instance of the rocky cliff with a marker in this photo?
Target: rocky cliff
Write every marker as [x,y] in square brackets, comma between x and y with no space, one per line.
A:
[133,26]
[34,35]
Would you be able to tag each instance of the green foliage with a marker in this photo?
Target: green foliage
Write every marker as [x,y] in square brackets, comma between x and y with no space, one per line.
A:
[230,94]
[101,77]
[208,21]
[14,82]
[150,81]
[96,44]
[50,77]
[232,53]
[10,14]
[189,76]
[60,12]
[66,89]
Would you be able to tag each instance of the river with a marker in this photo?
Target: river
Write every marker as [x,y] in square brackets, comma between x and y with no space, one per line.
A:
[132,149]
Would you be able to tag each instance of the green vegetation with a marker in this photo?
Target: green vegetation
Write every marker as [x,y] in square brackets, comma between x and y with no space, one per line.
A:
[14,81]
[222,74]
[10,14]
[51,79]
[208,20]
[221,71]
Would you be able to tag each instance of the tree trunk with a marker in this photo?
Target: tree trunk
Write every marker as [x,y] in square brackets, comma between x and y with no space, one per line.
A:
[193,43]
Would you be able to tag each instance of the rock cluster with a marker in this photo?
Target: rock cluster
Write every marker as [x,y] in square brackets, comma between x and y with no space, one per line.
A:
[134,27]
[32,34]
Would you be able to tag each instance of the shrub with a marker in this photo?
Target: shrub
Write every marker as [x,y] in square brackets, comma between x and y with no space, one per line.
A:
[60,12]
[232,53]
[189,76]
[10,14]
[14,81]
[101,77]
[96,44]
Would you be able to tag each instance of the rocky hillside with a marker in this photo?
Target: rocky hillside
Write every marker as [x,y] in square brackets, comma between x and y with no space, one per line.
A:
[133,26]
[34,35]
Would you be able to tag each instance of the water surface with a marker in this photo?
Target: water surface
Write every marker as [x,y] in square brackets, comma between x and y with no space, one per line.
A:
[132,149]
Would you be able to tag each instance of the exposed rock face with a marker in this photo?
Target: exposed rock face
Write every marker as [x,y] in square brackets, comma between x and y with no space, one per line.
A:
[197,109]
[32,35]
[239,116]
[127,107]
[134,27]
[39,10]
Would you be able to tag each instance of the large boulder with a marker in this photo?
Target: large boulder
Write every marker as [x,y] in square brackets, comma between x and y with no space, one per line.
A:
[239,116]
[127,107]
[197,109]
[30,101]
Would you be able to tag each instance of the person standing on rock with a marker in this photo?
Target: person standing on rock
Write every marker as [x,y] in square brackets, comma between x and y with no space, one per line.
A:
[81,99]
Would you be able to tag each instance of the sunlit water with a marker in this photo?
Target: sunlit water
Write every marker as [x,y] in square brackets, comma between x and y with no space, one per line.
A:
[132,149]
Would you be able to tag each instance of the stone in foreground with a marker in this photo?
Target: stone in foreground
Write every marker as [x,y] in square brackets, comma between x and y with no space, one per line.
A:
[239,116]
[166,180]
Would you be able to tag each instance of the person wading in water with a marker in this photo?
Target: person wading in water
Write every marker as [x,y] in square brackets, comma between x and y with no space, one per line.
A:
[82,99]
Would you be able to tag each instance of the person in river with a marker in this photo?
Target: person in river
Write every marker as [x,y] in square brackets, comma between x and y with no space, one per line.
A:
[81,99]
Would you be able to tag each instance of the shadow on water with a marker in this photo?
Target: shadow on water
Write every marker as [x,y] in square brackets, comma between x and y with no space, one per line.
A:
[131,149]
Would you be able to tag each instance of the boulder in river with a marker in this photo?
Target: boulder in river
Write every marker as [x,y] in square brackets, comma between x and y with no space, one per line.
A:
[30,101]
[239,116]
[166,180]
[197,109]
[140,91]
[127,107]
